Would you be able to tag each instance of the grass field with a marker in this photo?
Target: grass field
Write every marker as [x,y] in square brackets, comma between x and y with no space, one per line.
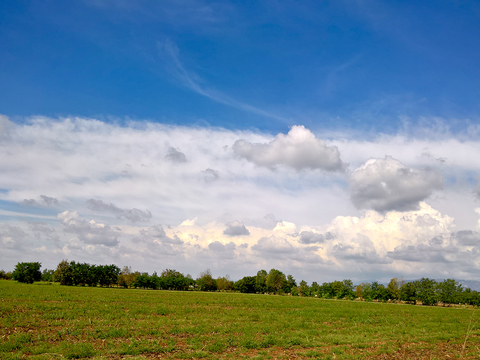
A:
[52,321]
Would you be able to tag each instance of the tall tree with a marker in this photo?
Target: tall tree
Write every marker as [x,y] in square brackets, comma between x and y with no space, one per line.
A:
[27,272]
[276,280]
[206,282]
[261,281]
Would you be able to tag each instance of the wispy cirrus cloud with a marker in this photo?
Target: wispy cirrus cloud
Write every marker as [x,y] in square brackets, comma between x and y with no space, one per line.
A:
[195,83]
[133,215]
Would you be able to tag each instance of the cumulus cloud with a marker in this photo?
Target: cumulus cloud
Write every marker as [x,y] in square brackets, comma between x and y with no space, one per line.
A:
[88,232]
[226,251]
[40,228]
[310,237]
[431,252]
[299,149]
[44,201]
[5,126]
[272,246]
[133,215]
[175,156]
[386,184]
[477,188]
[12,237]
[361,249]
[156,234]
[100,206]
[467,237]
[210,175]
[94,155]
[236,228]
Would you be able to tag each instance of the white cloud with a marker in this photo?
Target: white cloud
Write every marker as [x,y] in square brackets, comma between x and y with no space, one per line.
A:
[133,215]
[299,149]
[5,126]
[175,156]
[88,232]
[43,201]
[320,236]
[310,237]
[236,228]
[386,184]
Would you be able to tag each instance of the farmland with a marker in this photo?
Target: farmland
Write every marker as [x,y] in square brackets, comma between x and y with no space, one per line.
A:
[42,321]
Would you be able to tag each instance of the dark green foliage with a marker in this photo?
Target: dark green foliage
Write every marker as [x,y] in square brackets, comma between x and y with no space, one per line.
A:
[393,289]
[261,281]
[27,272]
[174,280]
[336,289]
[303,289]
[143,281]
[449,291]
[107,274]
[206,282]
[314,289]
[47,275]
[85,274]
[408,293]
[246,285]
[379,292]
[276,281]
[290,284]
[169,280]
[225,284]
[5,275]
[426,291]
[64,274]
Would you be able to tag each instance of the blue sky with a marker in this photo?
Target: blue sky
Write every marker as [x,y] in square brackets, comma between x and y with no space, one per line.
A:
[330,140]
[357,64]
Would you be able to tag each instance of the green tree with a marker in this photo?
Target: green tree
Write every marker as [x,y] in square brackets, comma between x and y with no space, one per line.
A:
[224,283]
[408,292]
[174,280]
[2,274]
[449,291]
[348,292]
[261,281]
[246,285]
[27,272]
[359,291]
[126,277]
[303,289]
[290,284]
[426,291]
[367,291]
[393,289]
[315,289]
[206,282]
[63,274]
[276,280]
[47,275]
[142,281]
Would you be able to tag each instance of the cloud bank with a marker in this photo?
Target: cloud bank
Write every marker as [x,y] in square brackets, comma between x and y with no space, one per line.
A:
[386,184]
[389,212]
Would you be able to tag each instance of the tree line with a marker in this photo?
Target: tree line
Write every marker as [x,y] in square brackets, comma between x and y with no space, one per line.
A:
[425,291]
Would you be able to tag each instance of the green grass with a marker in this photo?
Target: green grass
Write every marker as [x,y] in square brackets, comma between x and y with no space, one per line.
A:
[44,322]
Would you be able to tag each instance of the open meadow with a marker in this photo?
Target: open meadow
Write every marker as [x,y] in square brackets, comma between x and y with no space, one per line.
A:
[43,321]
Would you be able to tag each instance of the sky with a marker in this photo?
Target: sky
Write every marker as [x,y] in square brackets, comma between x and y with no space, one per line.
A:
[330,140]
